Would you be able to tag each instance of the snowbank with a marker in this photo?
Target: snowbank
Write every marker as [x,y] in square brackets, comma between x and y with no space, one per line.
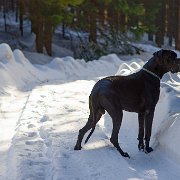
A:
[17,71]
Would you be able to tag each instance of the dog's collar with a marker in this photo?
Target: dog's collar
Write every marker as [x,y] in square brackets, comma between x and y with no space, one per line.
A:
[153,74]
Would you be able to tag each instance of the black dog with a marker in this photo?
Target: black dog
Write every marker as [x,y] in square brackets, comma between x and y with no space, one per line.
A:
[138,92]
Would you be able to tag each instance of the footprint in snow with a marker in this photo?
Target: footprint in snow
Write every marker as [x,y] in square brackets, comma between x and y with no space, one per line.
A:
[36,162]
[32,134]
[31,126]
[30,142]
[66,156]
[43,134]
[40,101]
[83,102]
[44,119]
[48,143]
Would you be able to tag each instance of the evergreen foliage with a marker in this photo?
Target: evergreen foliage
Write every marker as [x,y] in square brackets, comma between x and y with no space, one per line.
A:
[45,15]
[109,25]
[109,29]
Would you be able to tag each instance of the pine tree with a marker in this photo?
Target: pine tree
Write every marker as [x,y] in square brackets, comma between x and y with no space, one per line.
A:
[20,5]
[177,12]
[161,24]
[170,24]
[4,3]
[45,15]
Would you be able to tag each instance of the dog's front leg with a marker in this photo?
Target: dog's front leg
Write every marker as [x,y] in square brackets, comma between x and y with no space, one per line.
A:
[148,127]
[141,118]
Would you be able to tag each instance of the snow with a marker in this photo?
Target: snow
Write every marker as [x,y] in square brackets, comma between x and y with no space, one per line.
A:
[42,107]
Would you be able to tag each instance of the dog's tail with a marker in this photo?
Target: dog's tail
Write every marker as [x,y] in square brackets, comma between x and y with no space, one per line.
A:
[95,119]
[102,111]
[92,130]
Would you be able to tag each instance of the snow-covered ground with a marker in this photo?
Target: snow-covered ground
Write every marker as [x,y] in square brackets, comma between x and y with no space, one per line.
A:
[42,107]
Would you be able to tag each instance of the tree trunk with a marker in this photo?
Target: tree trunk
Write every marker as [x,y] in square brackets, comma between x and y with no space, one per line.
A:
[170,24]
[101,16]
[17,13]
[92,29]
[4,14]
[178,29]
[150,36]
[48,31]
[12,5]
[63,30]
[38,30]
[160,22]
[21,12]
[122,21]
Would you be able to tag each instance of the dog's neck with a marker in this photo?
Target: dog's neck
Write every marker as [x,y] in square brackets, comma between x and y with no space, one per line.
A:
[155,68]
[151,73]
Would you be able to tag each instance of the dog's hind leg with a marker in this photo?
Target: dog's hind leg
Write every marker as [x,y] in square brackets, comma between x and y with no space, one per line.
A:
[94,117]
[83,131]
[141,120]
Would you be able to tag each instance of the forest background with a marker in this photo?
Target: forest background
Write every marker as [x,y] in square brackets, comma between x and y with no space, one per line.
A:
[93,28]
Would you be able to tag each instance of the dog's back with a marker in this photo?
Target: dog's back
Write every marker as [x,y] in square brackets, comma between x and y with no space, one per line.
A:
[127,90]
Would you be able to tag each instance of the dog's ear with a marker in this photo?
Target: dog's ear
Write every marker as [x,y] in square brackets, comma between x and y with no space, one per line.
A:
[159,56]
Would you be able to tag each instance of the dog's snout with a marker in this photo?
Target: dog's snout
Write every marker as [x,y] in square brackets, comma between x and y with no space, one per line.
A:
[178,64]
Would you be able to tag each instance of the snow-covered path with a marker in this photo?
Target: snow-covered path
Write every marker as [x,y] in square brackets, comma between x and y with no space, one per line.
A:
[11,107]
[48,121]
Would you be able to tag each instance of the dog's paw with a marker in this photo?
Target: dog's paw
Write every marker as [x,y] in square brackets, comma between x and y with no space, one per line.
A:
[141,147]
[77,147]
[125,154]
[148,149]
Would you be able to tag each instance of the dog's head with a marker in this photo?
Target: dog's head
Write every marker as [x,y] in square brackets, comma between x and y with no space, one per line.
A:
[168,60]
